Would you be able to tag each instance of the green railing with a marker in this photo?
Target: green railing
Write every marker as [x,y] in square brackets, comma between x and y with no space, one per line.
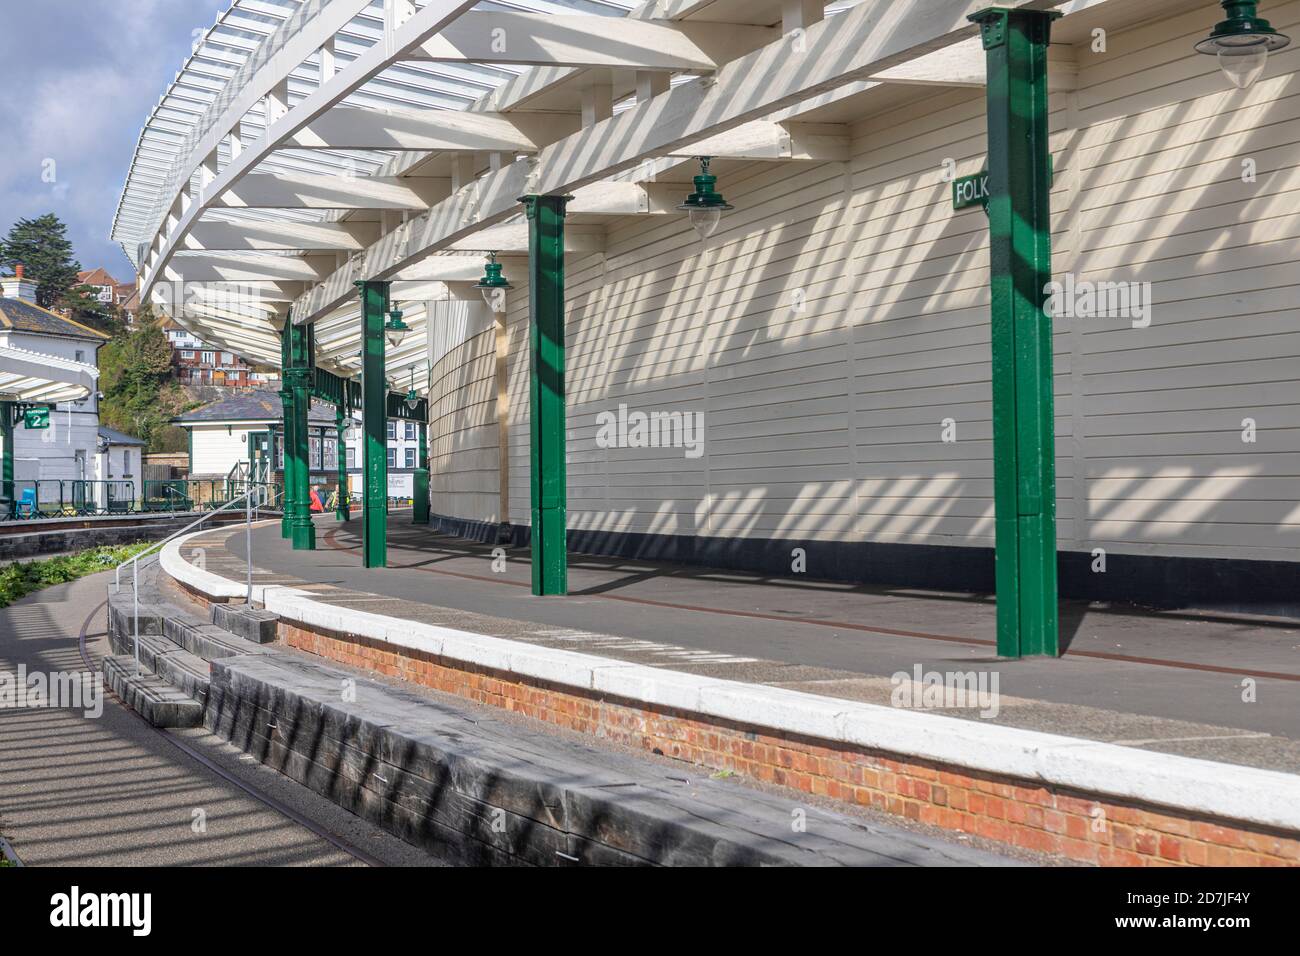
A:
[63,498]
[191,494]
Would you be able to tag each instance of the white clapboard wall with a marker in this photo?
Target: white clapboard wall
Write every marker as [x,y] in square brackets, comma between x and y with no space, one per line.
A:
[839,318]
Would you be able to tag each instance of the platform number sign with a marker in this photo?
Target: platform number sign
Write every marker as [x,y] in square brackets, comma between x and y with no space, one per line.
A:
[36,418]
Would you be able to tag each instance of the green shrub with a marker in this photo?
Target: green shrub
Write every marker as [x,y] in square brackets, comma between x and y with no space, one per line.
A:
[22,578]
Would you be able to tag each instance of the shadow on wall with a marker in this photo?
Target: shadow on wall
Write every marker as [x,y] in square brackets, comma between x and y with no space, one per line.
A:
[840,318]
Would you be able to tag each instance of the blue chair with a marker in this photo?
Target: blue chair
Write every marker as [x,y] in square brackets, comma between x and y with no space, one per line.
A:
[26,506]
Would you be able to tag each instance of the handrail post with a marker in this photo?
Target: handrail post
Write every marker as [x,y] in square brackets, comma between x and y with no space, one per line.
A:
[135,626]
[248,539]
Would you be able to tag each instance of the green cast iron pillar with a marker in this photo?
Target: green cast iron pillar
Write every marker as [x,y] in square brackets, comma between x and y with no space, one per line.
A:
[374,422]
[7,466]
[286,439]
[298,382]
[420,481]
[546,392]
[343,509]
[1024,444]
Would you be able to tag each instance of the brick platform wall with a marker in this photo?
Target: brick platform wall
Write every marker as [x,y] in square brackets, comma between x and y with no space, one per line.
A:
[1101,830]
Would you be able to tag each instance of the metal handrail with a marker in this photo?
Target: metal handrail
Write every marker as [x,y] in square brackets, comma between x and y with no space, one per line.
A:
[155,549]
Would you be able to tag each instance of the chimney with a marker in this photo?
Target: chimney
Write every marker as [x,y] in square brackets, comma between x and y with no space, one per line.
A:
[18,286]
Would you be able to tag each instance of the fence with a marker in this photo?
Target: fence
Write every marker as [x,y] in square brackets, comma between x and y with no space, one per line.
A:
[66,498]
[58,498]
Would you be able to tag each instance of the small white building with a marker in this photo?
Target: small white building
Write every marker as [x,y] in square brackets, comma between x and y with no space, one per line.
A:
[121,459]
[224,434]
[69,448]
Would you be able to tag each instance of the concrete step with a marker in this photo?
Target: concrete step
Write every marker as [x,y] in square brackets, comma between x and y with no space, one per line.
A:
[150,696]
[251,624]
[188,673]
[208,641]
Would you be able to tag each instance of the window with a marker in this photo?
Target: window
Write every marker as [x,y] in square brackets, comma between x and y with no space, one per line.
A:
[81,356]
[410,458]
[227,358]
[352,457]
[126,463]
[392,458]
[410,431]
[187,353]
[209,358]
[392,430]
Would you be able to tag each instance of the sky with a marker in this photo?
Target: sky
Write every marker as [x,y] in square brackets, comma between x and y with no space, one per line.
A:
[79,79]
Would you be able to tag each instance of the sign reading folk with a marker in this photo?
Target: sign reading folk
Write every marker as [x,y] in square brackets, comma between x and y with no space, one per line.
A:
[970,191]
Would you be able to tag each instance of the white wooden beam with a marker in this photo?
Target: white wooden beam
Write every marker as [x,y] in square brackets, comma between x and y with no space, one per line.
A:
[214,236]
[962,64]
[457,268]
[799,15]
[626,199]
[548,39]
[864,41]
[431,131]
[761,140]
[296,191]
[248,269]
[512,237]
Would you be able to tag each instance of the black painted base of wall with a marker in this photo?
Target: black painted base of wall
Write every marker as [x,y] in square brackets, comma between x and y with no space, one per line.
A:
[1213,584]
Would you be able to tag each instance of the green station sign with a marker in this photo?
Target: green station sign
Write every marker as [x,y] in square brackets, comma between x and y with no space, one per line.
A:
[970,191]
[36,418]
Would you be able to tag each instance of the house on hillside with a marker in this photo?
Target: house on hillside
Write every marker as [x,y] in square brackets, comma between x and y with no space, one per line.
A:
[110,292]
[69,448]
[197,363]
[227,433]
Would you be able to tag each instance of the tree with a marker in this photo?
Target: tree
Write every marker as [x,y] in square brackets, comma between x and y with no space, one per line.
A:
[84,306]
[41,245]
[135,377]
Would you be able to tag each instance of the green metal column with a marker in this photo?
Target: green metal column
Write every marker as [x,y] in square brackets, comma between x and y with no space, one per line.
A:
[286,439]
[1024,444]
[546,393]
[7,466]
[298,382]
[374,419]
[343,510]
[420,481]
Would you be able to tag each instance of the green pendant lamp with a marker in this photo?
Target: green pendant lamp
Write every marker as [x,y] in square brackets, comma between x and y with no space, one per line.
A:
[1242,43]
[493,285]
[706,204]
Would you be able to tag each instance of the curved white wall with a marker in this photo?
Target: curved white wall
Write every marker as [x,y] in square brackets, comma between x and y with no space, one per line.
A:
[840,316]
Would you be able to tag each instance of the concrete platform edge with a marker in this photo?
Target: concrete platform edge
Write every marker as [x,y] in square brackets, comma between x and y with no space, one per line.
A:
[1261,797]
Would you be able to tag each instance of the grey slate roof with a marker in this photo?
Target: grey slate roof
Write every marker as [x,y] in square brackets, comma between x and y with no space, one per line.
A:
[256,406]
[17,315]
[117,437]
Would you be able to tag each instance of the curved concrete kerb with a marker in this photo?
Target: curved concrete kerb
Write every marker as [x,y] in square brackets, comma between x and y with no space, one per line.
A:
[1263,797]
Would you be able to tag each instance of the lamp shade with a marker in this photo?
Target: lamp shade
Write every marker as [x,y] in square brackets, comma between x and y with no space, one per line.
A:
[706,205]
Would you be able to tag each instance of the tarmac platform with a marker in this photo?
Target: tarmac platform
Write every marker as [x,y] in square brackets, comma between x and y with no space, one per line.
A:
[1218,688]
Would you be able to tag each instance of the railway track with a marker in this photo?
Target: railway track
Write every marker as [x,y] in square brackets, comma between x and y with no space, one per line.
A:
[261,796]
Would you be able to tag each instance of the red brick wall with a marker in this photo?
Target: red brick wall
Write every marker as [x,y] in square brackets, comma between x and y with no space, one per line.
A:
[1100,830]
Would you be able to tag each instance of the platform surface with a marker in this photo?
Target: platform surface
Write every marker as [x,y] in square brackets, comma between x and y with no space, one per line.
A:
[1214,687]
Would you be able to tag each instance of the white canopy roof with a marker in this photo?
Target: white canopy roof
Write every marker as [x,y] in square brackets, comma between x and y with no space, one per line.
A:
[35,377]
[310,143]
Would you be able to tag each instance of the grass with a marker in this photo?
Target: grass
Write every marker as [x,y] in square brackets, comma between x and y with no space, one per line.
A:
[22,578]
